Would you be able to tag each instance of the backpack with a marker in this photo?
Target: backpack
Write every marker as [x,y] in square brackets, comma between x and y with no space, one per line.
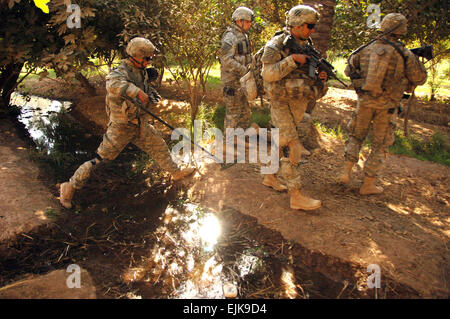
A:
[252,81]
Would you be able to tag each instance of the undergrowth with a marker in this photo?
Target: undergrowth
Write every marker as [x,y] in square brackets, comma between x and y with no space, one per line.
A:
[436,149]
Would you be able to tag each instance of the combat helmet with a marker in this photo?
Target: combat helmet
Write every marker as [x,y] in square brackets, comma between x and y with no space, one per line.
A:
[394,21]
[301,14]
[140,48]
[243,13]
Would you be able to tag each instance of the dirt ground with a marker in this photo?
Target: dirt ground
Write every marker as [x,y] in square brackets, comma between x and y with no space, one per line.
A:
[405,230]
[24,199]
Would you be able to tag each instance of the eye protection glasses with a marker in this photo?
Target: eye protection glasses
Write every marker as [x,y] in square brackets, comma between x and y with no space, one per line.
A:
[310,26]
[148,58]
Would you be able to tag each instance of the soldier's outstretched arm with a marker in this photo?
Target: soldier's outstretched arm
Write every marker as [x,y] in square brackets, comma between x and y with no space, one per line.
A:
[228,51]
[274,66]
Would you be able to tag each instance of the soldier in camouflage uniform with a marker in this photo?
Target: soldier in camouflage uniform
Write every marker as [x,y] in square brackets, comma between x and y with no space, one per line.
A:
[127,122]
[289,89]
[380,72]
[235,59]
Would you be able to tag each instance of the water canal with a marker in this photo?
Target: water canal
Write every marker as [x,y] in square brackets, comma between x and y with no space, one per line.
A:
[139,236]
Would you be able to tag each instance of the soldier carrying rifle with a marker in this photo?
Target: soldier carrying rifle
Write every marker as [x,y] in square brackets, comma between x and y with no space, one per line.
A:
[290,87]
[127,122]
[381,72]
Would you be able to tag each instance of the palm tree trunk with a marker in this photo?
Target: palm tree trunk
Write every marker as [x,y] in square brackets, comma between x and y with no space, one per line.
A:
[322,34]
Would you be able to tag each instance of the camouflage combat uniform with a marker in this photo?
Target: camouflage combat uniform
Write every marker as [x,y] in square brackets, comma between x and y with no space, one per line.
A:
[387,69]
[290,90]
[127,123]
[235,57]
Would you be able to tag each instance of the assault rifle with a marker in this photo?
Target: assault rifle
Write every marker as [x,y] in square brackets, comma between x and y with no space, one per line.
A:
[144,108]
[152,74]
[315,60]
[425,51]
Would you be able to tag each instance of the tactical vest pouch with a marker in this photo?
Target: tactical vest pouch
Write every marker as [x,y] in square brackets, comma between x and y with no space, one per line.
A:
[248,85]
[240,48]
[243,47]
[129,111]
[295,87]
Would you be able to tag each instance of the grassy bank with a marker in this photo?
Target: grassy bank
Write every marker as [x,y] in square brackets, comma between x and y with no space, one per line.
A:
[436,149]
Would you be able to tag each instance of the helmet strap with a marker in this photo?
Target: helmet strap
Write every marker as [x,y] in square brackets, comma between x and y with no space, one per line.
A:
[241,27]
[139,63]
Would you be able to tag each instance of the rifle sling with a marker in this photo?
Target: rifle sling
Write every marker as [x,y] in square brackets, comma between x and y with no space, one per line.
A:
[399,50]
[395,46]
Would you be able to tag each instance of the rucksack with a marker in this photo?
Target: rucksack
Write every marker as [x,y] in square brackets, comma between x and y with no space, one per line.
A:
[252,81]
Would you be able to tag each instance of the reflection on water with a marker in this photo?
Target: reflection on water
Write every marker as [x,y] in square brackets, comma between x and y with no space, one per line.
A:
[198,255]
[36,113]
[184,259]
[184,255]
[60,141]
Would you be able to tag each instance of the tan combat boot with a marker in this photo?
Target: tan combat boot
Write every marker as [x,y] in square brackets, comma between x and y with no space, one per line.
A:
[271,181]
[344,177]
[300,201]
[369,188]
[180,174]
[66,192]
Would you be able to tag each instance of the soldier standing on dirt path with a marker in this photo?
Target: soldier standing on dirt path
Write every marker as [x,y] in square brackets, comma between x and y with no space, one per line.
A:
[381,72]
[235,59]
[127,123]
[290,89]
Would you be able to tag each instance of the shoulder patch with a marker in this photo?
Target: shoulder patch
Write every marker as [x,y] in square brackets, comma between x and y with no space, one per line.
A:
[276,42]
[380,51]
[229,38]
[270,54]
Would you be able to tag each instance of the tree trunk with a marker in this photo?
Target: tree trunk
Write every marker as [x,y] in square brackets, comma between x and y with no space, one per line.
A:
[432,96]
[194,104]
[8,80]
[86,85]
[321,36]
[160,76]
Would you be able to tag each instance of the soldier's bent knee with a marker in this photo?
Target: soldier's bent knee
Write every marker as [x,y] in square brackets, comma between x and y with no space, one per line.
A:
[96,160]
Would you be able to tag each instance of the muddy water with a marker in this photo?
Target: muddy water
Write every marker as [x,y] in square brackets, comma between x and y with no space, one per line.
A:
[36,113]
[201,254]
[59,139]
[189,251]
